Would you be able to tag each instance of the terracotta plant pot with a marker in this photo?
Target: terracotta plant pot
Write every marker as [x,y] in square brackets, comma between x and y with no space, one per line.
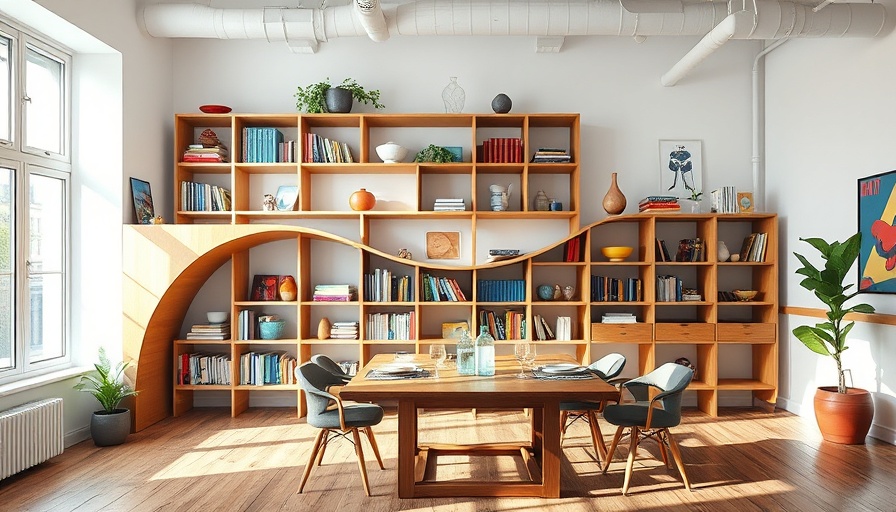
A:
[843,418]
[362,200]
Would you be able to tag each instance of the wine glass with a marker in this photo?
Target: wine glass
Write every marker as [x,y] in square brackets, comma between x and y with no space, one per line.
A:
[437,353]
[530,356]
[522,351]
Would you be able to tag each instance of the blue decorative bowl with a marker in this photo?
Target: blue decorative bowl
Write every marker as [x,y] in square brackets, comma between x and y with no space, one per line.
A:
[270,330]
[545,292]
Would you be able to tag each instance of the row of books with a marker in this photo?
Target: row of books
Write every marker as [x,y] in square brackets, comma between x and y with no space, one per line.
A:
[668,289]
[502,150]
[203,197]
[501,290]
[203,154]
[391,326]
[659,203]
[614,289]
[264,145]
[198,369]
[259,369]
[509,326]
[550,155]
[334,293]
[382,286]
[691,249]
[449,205]
[247,325]
[436,289]
[754,247]
[541,330]
[209,332]
[618,318]
[319,149]
[344,331]
[572,249]
[661,253]
[724,200]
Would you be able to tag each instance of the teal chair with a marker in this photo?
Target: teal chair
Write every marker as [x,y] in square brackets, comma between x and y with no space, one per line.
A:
[340,421]
[607,368]
[651,417]
[331,366]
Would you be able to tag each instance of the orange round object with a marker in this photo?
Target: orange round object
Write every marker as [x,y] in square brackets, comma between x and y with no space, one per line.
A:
[288,288]
[362,200]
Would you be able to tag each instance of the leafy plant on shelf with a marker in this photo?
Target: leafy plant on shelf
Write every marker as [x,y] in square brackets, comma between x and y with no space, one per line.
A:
[829,338]
[311,98]
[105,385]
[695,195]
[436,154]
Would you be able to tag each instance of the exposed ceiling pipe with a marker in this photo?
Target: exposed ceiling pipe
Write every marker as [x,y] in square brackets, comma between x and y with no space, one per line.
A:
[759,127]
[370,13]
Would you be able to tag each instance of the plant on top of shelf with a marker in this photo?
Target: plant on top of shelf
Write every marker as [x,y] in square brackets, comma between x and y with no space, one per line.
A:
[313,98]
[436,154]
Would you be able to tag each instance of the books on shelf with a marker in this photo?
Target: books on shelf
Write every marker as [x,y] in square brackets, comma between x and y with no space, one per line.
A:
[724,200]
[450,205]
[344,330]
[317,149]
[391,326]
[551,155]
[209,332]
[501,254]
[659,203]
[668,288]
[201,153]
[509,326]
[204,197]
[541,330]
[614,289]
[382,285]
[203,369]
[501,290]
[266,145]
[618,318]
[661,253]
[564,328]
[333,293]
[265,368]
[502,150]
[572,249]
[437,289]
[754,247]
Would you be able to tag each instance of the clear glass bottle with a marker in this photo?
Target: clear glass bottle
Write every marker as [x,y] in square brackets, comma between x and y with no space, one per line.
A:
[485,353]
[466,356]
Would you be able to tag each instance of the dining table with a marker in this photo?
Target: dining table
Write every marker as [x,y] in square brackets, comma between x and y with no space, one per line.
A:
[420,389]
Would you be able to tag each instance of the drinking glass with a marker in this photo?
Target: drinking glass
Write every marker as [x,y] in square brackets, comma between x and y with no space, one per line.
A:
[522,351]
[437,353]
[530,356]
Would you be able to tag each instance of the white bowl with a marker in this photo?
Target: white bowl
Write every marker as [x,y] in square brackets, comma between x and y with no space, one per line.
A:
[216,317]
[391,153]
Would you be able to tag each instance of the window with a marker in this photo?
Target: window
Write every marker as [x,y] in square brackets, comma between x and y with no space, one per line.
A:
[35,171]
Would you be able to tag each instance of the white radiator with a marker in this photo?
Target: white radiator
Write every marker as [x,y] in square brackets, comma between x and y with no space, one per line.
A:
[30,433]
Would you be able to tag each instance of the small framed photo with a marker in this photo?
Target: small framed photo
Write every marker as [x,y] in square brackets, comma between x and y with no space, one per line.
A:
[143,208]
[264,287]
[285,201]
[443,245]
[745,202]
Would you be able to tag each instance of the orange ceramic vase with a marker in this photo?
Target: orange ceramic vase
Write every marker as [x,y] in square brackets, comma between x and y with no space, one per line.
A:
[362,200]
[614,201]
[844,418]
[288,288]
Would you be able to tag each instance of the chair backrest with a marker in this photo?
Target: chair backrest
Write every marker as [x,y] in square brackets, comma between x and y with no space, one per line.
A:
[314,381]
[671,379]
[328,364]
[609,366]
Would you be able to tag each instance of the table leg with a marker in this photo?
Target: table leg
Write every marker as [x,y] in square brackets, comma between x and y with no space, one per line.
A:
[407,447]
[550,460]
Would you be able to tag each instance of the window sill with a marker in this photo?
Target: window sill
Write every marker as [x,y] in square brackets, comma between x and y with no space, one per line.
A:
[41,380]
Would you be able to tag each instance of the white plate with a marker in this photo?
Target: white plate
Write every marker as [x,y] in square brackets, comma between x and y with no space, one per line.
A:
[397,368]
[562,368]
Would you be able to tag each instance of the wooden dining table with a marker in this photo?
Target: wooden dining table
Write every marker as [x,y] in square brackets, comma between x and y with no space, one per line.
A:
[541,454]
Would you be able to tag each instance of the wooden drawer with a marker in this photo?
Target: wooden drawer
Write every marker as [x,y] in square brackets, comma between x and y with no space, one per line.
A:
[689,332]
[621,333]
[746,332]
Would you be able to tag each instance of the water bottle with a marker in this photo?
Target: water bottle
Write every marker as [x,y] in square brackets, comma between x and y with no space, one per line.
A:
[466,358]
[485,353]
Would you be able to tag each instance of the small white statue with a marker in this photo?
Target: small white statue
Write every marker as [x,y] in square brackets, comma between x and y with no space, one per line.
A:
[406,254]
[268,204]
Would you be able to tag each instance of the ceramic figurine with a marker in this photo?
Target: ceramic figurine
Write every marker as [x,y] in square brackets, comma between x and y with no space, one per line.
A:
[569,292]
[158,220]
[558,292]
[406,254]
[268,203]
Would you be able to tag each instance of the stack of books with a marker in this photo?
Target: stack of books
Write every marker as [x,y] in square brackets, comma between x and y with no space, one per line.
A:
[659,204]
[564,328]
[450,205]
[550,155]
[344,331]
[618,318]
[209,332]
[502,254]
[542,330]
[502,150]
[333,293]
[724,200]
[200,153]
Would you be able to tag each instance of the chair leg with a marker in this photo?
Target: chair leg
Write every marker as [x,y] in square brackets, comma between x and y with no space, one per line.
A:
[323,447]
[616,438]
[314,450]
[360,453]
[632,453]
[661,440]
[473,411]
[676,454]
[376,449]
[564,415]
[597,438]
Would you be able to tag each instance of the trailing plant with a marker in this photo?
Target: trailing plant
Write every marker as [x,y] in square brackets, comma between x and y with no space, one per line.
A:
[829,338]
[311,98]
[436,154]
[107,387]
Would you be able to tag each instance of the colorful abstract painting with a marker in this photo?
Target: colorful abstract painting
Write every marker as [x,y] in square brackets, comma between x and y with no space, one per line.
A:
[877,212]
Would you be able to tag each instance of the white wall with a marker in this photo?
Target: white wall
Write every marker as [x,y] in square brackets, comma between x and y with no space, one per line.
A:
[830,106]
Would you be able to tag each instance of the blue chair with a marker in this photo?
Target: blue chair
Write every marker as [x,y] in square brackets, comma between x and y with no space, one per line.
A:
[331,366]
[340,421]
[607,368]
[651,417]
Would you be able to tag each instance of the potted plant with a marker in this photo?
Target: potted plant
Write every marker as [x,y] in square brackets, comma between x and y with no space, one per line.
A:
[110,425]
[692,204]
[843,413]
[436,154]
[322,97]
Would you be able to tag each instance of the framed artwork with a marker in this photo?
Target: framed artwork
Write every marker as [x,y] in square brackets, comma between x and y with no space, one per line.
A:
[681,168]
[443,245]
[877,254]
[745,202]
[285,200]
[143,208]
[264,287]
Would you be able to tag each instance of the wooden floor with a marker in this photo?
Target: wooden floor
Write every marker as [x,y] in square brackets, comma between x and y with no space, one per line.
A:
[206,461]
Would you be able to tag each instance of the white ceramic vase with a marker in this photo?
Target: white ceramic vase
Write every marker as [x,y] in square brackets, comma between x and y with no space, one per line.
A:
[724,253]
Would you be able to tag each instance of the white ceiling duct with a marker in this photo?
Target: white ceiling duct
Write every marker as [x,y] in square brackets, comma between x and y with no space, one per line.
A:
[549,20]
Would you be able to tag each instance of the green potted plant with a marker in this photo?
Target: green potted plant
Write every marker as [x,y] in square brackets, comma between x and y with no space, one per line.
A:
[110,425]
[843,413]
[322,97]
[433,153]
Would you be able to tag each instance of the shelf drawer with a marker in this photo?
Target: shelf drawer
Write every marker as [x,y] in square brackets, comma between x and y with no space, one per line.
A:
[685,332]
[746,332]
[622,333]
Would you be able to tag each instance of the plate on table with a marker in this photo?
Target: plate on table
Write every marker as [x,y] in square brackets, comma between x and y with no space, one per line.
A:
[563,368]
[398,368]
